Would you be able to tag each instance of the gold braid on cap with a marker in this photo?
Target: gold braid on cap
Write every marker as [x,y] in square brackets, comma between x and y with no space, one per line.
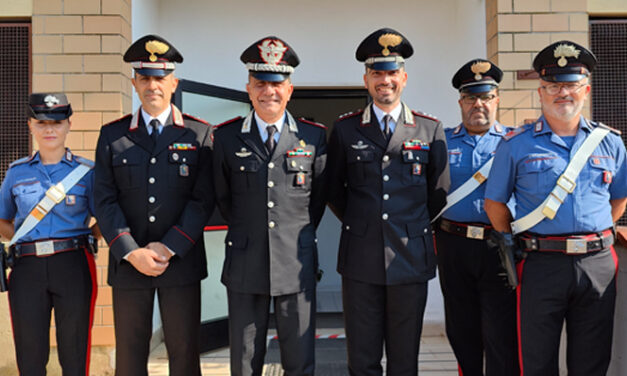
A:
[389,40]
[563,51]
[156,47]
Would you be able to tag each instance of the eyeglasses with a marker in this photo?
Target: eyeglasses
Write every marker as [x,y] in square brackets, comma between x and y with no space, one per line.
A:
[483,98]
[554,89]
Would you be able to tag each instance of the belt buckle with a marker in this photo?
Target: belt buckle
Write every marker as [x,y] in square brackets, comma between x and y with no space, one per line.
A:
[44,248]
[475,232]
[56,193]
[576,246]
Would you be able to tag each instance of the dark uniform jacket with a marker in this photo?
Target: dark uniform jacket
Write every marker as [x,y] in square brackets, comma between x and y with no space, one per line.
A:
[145,192]
[385,195]
[272,204]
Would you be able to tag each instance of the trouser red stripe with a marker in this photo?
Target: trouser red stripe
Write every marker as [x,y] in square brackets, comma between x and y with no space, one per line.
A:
[94,294]
[519,270]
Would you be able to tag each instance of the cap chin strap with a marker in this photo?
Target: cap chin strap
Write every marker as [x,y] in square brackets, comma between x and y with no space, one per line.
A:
[565,185]
[53,196]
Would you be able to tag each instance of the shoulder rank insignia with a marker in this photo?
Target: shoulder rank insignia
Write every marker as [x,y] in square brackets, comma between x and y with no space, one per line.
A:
[21,161]
[514,132]
[315,124]
[415,144]
[424,115]
[350,114]
[599,124]
[84,161]
[196,118]
[227,122]
[299,152]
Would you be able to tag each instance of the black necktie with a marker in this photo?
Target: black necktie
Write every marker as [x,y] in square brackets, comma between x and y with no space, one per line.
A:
[386,127]
[270,143]
[154,124]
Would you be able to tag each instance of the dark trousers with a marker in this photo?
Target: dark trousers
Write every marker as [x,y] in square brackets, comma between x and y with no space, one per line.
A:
[180,316]
[480,310]
[248,330]
[580,289]
[375,315]
[67,282]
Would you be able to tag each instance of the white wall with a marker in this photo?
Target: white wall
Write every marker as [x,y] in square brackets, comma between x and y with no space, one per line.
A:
[211,35]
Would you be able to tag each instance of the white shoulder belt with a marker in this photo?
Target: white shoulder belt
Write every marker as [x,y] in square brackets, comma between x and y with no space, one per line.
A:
[467,188]
[565,184]
[54,195]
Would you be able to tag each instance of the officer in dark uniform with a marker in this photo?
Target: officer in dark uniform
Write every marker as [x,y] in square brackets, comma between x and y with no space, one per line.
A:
[53,262]
[269,176]
[153,197]
[480,309]
[569,178]
[388,177]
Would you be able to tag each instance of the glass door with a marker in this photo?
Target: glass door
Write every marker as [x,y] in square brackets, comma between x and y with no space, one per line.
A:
[214,104]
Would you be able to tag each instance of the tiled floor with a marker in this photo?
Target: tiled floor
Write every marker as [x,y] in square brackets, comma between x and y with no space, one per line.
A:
[436,358]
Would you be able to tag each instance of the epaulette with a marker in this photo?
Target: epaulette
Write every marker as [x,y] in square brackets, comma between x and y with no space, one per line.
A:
[313,123]
[21,161]
[599,124]
[116,120]
[87,162]
[227,122]
[515,132]
[350,114]
[422,114]
[197,119]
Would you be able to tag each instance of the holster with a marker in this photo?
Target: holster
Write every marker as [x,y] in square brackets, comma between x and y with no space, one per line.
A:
[506,247]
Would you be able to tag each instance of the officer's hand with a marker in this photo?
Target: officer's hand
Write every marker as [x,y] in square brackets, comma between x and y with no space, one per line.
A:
[148,262]
[161,249]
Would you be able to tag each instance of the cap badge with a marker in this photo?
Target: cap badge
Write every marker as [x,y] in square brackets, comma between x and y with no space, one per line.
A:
[272,51]
[389,40]
[479,68]
[156,47]
[51,100]
[563,51]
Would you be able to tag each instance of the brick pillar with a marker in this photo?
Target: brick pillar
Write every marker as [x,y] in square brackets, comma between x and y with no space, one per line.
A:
[516,31]
[77,48]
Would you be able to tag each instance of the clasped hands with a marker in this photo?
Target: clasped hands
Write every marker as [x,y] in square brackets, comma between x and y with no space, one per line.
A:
[151,260]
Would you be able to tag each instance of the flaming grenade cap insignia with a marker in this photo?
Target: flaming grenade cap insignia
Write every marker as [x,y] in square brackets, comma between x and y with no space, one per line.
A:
[479,68]
[389,40]
[272,51]
[51,100]
[156,47]
[563,51]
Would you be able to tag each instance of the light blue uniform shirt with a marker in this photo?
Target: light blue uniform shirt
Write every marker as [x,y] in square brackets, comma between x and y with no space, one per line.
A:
[466,155]
[26,183]
[529,164]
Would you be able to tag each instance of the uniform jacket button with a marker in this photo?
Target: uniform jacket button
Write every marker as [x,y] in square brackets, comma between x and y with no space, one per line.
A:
[271,165]
[271,224]
[153,160]
[151,199]
[151,180]
[270,204]
[385,216]
[152,218]
[386,177]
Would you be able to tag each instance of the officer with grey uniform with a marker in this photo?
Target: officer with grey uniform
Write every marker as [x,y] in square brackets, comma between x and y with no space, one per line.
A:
[269,176]
[388,177]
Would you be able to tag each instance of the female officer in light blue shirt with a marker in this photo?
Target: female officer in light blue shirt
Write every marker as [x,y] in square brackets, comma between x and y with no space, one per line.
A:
[53,262]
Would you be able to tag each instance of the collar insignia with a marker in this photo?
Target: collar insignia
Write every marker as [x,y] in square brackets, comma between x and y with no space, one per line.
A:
[538,127]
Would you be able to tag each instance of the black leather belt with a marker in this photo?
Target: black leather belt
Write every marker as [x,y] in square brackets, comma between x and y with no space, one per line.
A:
[476,231]
[49,247]
[572,245]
